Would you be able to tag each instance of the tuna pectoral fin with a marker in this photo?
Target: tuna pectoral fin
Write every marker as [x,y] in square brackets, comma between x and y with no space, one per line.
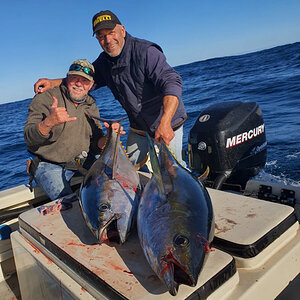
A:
[155,165]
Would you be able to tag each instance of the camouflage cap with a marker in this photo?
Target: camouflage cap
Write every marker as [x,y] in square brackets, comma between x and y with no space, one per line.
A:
[83,68]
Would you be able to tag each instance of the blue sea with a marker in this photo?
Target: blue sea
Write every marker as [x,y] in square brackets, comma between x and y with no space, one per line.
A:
[271,78]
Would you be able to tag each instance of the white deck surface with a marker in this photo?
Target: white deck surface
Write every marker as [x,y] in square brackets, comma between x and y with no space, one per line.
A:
[124,268]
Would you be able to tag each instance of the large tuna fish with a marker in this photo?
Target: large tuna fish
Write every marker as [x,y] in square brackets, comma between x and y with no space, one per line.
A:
[175,221]
[109,193]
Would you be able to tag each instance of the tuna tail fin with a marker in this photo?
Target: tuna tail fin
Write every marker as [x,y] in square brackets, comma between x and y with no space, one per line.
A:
[116,150]
[155,165]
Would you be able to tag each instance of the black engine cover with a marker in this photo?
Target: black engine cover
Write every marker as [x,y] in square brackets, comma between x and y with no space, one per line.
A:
[230,139]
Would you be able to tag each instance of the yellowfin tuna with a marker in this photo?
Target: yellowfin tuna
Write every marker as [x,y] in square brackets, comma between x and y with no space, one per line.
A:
[110,192]
[175,221]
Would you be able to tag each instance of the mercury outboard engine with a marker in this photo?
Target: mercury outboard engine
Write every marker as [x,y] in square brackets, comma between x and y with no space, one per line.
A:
[230,139]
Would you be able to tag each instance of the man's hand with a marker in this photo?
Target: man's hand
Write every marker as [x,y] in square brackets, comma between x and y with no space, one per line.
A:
[45,84]
[42,85]
[164,131]
[58,115]
[115,127]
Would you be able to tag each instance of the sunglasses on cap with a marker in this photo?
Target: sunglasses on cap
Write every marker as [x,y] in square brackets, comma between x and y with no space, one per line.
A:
[86,70]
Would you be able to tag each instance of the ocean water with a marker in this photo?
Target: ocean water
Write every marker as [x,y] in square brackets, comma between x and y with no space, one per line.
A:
[271,78]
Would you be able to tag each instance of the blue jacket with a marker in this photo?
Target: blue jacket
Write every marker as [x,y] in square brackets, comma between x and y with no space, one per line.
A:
[139,78]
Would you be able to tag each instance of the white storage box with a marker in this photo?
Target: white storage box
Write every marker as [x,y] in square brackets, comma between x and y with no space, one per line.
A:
[251,230]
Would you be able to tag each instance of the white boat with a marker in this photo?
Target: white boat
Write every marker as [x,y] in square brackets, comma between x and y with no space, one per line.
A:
[49,255]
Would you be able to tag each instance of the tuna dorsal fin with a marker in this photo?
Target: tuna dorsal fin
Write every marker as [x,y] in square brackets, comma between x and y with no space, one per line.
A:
[155,165]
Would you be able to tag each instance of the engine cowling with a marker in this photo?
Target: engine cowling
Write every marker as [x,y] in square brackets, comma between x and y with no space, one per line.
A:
[229,138]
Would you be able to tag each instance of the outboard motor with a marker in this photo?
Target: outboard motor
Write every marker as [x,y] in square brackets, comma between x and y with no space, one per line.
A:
[230,139]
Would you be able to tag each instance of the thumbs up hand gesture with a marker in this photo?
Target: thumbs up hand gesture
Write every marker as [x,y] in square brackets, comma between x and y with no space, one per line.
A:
[58,115]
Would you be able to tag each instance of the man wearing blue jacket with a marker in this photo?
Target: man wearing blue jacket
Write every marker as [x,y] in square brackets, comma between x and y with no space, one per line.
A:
[142,81]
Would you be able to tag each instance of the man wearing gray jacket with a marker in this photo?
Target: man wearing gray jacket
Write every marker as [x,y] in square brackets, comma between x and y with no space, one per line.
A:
[58,132]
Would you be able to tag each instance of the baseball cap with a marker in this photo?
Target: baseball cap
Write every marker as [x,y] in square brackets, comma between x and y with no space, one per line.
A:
[105,19]
[83,68]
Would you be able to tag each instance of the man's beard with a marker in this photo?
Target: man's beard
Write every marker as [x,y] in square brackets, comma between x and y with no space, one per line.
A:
[79,99]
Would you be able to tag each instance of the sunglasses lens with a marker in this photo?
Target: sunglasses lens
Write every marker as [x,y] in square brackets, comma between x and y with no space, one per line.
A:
[75,67]
[87,71]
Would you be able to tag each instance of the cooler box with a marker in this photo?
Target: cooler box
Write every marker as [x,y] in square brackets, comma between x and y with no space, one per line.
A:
[58,258]
[250,229]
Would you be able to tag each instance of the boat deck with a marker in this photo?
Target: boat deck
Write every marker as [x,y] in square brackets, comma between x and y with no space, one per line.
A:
[266,273]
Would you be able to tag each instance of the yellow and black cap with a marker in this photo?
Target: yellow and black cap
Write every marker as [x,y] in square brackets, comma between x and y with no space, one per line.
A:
[105,19]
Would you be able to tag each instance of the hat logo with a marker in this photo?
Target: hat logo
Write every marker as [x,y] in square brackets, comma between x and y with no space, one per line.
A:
[101,19]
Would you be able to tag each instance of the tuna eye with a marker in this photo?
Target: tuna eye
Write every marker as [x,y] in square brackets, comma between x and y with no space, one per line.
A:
[181,240]
[104,206]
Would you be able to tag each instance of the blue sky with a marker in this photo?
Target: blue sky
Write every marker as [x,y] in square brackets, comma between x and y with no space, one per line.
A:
[41,38]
